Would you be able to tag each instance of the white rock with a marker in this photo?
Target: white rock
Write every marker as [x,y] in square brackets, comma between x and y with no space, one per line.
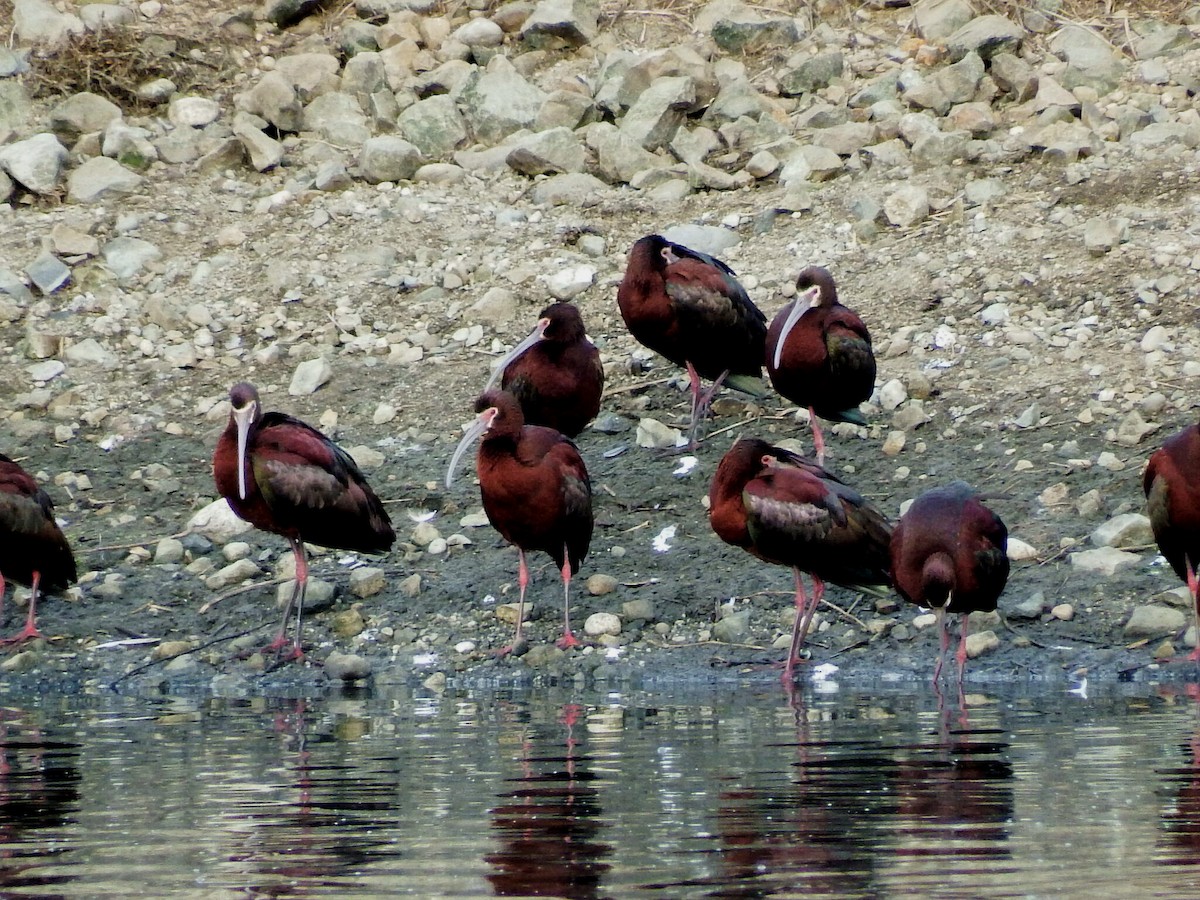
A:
[218,522]
[1127,530]
[602,623]
[367,581]
[36,163]
[907,206]
[1019,551]
[193,112]
[1105,560]
[90,351]
[1154,339]
[234,573]
[892,394]
[654,435]
[309,376]
[567,284]
[1151,620]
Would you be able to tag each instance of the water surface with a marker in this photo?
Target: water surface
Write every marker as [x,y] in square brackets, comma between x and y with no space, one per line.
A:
[575,794]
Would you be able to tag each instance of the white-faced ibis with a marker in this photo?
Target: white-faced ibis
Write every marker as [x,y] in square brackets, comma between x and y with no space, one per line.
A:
[536,493]
[689,307]
[33,550]
[949,554]
[819,354]
[555,373]
[1172,486]
[284,476]
[787,510]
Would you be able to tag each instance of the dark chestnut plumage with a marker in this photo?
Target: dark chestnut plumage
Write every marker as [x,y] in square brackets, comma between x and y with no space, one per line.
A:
[786,509]
[284,476]
[555,373]
[819,354]
[949,553]
[1172,485]
[689,307]
[536,492]
[33,550]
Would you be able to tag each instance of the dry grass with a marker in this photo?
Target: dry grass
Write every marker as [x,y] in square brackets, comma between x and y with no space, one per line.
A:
[114,62]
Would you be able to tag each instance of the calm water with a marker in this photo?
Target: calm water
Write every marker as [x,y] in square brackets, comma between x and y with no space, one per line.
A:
[735,795]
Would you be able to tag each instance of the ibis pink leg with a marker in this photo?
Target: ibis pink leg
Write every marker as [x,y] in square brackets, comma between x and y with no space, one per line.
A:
[296,600]
[701,402]
[568,639]
[804,616]
[30,630]
[818,438]
[522,584]
[942,628]
[1193,584]
[961,656]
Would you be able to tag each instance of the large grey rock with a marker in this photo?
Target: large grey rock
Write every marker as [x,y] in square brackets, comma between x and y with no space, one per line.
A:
[659,111]
[98,177]
[571,189]
[907,206]
[742,30]
[847,139]
[987,36]
[288,12]
[38,22]
[48,273]
[1091,60]
[1163,40]
[127,256]
[338,118]
[98,16]
[1129,530]
[479,33]
[811,74]
[264,151]
[563,109]
[1152,620]
[364,74]
[193,112]
[1163,134]
[938,19]
[6,187]
[35,163]
[737,98]
[1013,75]
[548,152]
[83,113]
[498,101]
[960,80]
[809,163]
[619,156]
[16,108]
[309,376]
[562,23]
[275,100]
[388,158]
[128,144]
[434,126]
[879,89]
[710,239]
[940,148]
[311,74]
[1105,560]
[90,351]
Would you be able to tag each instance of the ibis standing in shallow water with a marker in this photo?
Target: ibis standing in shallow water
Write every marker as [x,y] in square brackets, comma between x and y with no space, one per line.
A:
[949,553]
[787,510]
[284,476]
[536,493]
[819,355]
[33,549]
[1172,486]
[555,373]
[689,307]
